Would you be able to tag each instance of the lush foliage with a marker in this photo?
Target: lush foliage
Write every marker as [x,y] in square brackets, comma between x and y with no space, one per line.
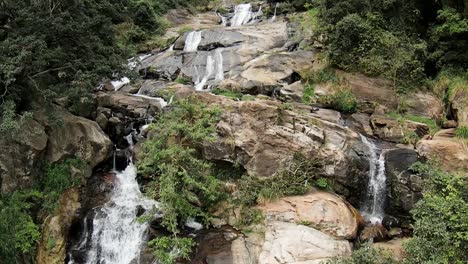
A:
[296,177]
[441,218]
[343,100]
[180,179]
[19,231]
[168,249]
[365,255]
[400,40]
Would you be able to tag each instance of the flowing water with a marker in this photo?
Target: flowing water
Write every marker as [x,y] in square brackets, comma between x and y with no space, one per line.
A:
[373,209]
[117,236]
[274,15]
[242,15]
[192,41]
[214,69]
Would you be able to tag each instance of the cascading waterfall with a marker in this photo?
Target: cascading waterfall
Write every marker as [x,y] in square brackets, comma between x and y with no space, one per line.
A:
[373,208]
[192,41]
[214,65]
[242,15]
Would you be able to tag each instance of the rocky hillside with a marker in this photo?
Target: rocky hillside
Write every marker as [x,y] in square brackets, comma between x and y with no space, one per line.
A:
[309,162]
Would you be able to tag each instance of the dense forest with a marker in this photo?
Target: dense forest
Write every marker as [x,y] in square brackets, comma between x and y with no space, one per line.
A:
[57,52]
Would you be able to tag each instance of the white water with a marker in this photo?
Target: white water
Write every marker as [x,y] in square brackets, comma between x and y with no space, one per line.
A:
[242,15]
[120,83]
[373,208]
[214,66]
[274,15]
[117,236]
[192,41]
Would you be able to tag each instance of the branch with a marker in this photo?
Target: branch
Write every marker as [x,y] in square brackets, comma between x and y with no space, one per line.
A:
[50,70]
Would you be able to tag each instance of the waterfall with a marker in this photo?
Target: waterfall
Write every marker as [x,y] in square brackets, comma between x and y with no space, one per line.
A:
[223,20]
[274,15]
[120,83]
[242,15]
[373,208]
[192,41]
[214,65]
[117,236]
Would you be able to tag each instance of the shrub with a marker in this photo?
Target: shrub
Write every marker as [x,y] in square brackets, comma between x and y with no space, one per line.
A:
[230,94]
[182,80]
[296,177]
[365,255]
[180,179]
[308,93]
[168,249]
[441,218]
[344,101]
[462,132]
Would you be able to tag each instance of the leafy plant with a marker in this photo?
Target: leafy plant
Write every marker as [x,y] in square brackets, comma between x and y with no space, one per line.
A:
[441,218]
[308,93]
[231,94]
[343,100]
[462,132]
[182,80]
[295,178]
[366,254]
[168,249]
[322,183]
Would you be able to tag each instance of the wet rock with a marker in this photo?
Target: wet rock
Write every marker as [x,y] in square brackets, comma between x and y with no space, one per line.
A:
[405,188]
[214,38]
[390,222]
[395,232]
[324,211]
[291,243]
[374,233]
[102,121]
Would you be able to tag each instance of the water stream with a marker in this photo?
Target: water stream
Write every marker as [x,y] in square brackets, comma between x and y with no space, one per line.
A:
[373,209]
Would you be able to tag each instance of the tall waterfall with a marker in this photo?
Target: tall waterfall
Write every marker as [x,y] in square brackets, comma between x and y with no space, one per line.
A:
[373,209]
[117,236]
[243,14]
[192,41]
[274,15]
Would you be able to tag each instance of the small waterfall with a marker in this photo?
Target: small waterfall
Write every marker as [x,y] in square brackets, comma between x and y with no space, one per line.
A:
[373,208]
[242,15]
[192,41]
[223,20]
[274,15]
[117,236]
[214,66]
[120,83]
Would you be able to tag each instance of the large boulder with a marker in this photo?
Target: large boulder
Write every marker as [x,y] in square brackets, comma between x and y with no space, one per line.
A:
[405,188]
[20,155]
[390,129]
[77,137]
[53,244]
[451,152]
[294,244]
[324,211]
[425,104]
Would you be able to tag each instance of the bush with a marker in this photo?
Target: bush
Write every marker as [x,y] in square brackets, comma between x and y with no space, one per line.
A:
[308,94]
[344,101]
[230,94]
[180,179]
[441,218]
[462,132]
[168,249]
[295,178]
[365,255]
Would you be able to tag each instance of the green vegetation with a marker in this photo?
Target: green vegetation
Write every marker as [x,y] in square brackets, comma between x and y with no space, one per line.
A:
[441,218]
[462,132]
[227,93]
[295,178]
[308,94]
[58,178]
[366,254]
[399,40]
[344,101]
[180,179]
[182,80]
[19,230]
[168,249]
[248,217]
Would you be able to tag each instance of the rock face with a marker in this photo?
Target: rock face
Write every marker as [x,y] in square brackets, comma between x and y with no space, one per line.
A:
[451,152]
[324,211]
[19,156]
[405,187]
[77,137]
[52,247]
[294,244]
[425,104]
[390,129]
